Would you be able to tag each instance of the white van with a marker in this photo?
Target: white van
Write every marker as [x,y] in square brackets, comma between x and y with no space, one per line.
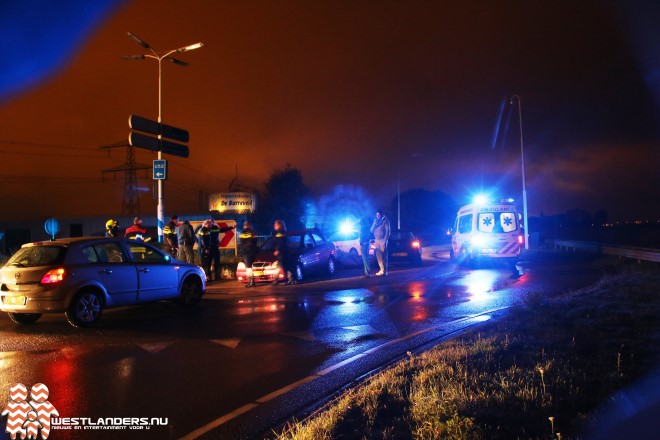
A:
[488,230]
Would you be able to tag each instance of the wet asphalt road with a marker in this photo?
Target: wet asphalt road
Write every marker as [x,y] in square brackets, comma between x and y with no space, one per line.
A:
[247,359]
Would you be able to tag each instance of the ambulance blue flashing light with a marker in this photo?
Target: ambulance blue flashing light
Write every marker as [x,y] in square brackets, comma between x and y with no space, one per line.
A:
[482,199]
[346,227]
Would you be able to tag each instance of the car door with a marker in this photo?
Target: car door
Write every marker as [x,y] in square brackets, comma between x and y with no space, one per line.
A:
[313,251]
[109,265]
[158,277]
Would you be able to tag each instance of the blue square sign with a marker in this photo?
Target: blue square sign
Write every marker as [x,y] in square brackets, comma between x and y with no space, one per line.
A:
[160,169]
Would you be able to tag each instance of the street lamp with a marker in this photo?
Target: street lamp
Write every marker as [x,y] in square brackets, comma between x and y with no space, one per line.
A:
[522,160]
[160,57]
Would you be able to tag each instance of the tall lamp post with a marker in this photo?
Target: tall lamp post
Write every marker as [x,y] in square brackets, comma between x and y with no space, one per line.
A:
[160,57]
[522,160]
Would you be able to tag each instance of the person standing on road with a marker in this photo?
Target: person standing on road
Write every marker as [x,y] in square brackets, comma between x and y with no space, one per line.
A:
[249,247]
[112,228]
[137,231]
[171,242]
[281,251]
[214,250]
[365,242]
[204,240]
[381,230]
[186,238]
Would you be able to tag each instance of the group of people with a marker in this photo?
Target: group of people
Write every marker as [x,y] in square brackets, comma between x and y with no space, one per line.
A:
[134,232]
[179,239]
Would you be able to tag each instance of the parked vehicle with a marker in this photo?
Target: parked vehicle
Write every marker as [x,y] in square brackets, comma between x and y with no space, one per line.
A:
[403,246]
[84,276]
[487,230]
[348,246]
[309,252]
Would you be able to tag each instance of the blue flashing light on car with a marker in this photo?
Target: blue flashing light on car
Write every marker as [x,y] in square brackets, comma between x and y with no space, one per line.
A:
[346,227]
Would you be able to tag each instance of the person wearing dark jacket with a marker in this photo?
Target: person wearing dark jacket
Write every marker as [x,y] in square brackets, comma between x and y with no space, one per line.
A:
[281,251]
[365,244]
[214,250]
[171,242]
[186,238]
[204,241]
[249,247]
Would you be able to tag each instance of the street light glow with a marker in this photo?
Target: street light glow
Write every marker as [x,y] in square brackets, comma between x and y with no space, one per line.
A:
[190,47]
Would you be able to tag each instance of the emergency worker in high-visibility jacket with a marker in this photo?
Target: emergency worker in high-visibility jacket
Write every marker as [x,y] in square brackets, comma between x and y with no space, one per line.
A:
[249,248]
[171,241]
[137,232]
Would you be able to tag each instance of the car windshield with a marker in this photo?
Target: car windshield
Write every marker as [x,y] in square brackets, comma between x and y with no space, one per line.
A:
[33,256]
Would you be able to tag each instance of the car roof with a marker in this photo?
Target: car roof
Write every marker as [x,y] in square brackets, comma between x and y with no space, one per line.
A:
[72,240]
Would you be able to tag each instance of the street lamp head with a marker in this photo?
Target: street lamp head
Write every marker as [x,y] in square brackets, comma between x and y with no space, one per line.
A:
[178,62]
[138,40]
[190,47]
[133,57]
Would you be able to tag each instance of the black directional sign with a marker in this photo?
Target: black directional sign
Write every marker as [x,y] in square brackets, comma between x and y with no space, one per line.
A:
[152,127]
[164,133]
[154,144]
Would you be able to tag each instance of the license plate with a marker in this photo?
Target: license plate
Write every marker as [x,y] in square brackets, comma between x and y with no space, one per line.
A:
[15,300]
[258,273]
[400,254]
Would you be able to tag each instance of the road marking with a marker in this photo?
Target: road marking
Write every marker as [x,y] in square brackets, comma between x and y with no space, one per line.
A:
[229,343]
[154,347]
[285,389]
[218,422]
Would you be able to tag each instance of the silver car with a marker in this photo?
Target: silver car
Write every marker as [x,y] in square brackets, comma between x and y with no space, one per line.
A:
[83,276]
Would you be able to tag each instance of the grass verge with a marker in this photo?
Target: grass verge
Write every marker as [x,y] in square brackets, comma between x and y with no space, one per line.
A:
[541,372]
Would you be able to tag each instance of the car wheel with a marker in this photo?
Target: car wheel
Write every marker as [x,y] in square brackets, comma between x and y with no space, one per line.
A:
[331,266]
[191,293]
[300,274]
[85,309]
[24,318]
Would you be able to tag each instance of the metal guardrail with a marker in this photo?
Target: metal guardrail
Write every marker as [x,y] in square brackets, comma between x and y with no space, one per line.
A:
[637,253]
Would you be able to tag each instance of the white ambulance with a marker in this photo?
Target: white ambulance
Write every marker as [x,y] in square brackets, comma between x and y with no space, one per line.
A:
[487,230]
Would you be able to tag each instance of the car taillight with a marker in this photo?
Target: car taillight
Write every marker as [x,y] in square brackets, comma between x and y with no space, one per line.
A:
[53,276]
[415,244]
[521,240]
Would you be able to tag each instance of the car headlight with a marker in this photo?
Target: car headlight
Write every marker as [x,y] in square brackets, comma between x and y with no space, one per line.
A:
[241,266]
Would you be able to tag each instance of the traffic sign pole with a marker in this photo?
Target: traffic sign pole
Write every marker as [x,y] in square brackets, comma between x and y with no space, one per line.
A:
[161,144]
